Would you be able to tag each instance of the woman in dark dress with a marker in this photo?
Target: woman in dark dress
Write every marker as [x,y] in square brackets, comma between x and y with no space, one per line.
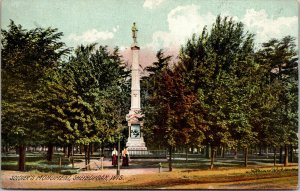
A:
[126,157]
[123,158]
[114,156]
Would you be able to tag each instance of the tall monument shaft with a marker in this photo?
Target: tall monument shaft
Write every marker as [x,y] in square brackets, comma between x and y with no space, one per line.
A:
[135,81]
[134,117]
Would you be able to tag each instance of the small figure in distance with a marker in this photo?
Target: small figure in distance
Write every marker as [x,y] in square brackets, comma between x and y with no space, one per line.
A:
[123,158]
[126,152]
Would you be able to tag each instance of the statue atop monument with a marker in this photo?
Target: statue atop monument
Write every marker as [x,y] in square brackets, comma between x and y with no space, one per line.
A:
[134,33]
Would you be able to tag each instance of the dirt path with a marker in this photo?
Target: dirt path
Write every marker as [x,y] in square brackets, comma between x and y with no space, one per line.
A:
[94,177]
[133,168]
[134,176]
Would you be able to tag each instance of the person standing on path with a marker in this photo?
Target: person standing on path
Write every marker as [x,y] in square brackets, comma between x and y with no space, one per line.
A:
[126,152]
[123,158]
[114,155]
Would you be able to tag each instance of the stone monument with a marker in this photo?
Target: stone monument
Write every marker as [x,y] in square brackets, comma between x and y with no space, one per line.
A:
[134,117]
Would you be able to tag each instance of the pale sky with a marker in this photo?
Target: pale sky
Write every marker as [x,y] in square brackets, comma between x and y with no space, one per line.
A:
[163,24]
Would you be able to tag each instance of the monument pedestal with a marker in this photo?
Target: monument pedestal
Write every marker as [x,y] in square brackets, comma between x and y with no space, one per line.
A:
[136,144]
[135,137]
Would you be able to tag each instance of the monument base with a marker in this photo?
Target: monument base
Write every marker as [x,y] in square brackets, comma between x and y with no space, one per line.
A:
[136,144]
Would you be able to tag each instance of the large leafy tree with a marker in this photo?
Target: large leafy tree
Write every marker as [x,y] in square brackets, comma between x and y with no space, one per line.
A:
[279,57]
[214,64]
[27,58]
[89,97]
[168,107]
[156,107]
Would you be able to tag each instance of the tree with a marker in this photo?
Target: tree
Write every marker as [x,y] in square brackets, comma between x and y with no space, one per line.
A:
[169,106]
[212,65]
[280,59]
[90,97]
[157,109]
[28,56]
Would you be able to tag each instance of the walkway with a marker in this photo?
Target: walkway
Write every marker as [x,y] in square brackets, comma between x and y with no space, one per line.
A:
[135,167]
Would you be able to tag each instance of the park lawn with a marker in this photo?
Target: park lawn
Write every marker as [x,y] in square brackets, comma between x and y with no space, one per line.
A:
[217,179]
[179,179]
[266,183]
[36,161]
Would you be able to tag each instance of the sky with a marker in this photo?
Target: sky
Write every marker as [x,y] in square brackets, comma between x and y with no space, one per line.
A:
[162,24]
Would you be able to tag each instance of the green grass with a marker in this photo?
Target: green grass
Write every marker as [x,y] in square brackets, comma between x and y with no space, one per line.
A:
[35,161]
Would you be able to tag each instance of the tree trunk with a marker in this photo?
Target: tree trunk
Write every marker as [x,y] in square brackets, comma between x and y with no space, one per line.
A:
[274,156]
[260,149]
[65,151]
[235,153]
[286,155]
[207,154]
[89,154]
[267,152]
[212,157]
[102,150]
[76,149]
[280,155]
[219,151]
[69,150]
[170,158]
[85,156]
[186,153]
[72,150]
[22,155]
[246,156]
[50,152]
[291,153]
[92,148]
[80,148]
[6,148]
[223,152]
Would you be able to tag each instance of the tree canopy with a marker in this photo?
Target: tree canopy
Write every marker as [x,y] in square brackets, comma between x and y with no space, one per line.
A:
[222,91]
[237,96]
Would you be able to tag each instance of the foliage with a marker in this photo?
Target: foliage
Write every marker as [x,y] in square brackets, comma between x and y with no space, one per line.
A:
[216,66]
[279,57]
[86,96]
[223,93]
[27,57]
[220,92]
